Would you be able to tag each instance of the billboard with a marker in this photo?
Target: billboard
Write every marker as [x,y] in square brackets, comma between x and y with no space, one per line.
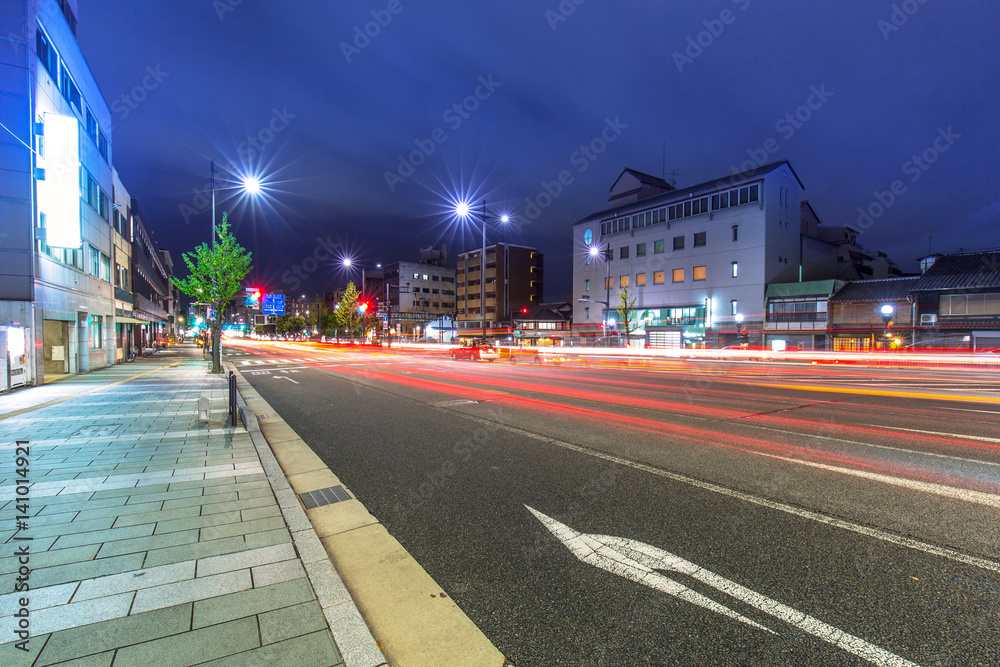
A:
[59,193]
[273,304]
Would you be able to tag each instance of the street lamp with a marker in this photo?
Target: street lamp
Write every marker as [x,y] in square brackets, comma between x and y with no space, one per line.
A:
[249,184]
[464,211]
[887,311]
[595,251]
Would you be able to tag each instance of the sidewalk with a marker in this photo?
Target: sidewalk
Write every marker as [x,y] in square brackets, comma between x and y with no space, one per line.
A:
[152,538]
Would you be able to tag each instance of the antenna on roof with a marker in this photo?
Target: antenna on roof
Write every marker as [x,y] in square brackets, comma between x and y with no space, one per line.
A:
[673,178]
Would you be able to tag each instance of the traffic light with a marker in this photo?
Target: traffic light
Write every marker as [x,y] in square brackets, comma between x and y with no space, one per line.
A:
[524,311]
[362,307]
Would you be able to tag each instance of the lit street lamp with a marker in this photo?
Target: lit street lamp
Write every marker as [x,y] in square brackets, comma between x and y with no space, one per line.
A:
[596,251]
[249,184]
[887,311]
[463,211]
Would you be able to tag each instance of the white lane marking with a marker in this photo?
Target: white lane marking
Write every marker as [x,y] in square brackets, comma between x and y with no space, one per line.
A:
[246,362]
[285,377]
[950,435]
[639,562]
[885,536]
[989,412]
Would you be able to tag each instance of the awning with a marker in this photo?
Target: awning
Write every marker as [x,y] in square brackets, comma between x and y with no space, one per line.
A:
[129,320]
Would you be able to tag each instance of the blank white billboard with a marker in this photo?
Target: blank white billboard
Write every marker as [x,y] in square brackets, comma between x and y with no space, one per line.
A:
[59,193]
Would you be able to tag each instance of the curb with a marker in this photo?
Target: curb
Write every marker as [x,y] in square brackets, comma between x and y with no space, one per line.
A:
[357,646]
[391,595]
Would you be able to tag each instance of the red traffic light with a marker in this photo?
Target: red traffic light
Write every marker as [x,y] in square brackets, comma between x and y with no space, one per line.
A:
[362,307]
[524,311]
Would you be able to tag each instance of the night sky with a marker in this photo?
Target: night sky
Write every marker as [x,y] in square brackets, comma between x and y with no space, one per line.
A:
[504,95]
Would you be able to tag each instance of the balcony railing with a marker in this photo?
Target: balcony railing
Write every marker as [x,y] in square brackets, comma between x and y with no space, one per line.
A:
[796,317]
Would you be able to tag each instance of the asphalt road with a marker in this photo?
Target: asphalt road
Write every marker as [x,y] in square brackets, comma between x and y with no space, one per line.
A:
[684,513]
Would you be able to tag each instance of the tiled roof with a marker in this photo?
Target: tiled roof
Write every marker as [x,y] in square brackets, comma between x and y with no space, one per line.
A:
[881,289]
[962,270]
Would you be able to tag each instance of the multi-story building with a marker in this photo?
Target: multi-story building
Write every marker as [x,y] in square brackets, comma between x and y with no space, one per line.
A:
[150,283]
[121,217]
[56,238]
[419,293]
[514,280]
[697,260]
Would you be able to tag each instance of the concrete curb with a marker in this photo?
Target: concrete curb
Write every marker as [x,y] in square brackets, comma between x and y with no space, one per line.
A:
[357,646]
[417,623]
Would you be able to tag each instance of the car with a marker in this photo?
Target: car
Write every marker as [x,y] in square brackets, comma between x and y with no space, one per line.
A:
[475,351]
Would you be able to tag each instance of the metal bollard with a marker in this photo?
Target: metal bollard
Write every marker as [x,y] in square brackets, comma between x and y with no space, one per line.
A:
[203,409]
[232,398]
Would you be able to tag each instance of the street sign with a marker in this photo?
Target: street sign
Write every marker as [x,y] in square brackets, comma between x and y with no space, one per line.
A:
[274,304]
[644,564]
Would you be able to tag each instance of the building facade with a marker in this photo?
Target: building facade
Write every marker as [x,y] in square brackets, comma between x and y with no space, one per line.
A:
[417,294]
[513,280]
[57,240]
[697,261]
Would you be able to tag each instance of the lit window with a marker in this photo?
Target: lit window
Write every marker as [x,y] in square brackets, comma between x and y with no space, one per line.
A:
[658,277]
[640,279]
[586,285]
[623,281]
[678,275]
[699,273]
[733,307]
[736,270]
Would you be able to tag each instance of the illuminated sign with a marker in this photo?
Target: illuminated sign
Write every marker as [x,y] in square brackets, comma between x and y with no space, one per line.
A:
[273,304]
[59,193]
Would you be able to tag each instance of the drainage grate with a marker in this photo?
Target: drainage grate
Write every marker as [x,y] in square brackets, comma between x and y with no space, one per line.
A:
[327,496]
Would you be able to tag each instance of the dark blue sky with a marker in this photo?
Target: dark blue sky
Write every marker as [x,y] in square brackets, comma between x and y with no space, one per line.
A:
[329,121]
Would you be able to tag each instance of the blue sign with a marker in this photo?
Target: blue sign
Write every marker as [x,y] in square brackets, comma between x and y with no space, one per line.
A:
[274,304]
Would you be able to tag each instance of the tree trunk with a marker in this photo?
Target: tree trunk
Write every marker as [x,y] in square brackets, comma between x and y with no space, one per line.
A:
[216,349]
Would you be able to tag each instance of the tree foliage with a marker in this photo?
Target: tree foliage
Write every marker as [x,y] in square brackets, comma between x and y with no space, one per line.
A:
[628,317]
[215,275]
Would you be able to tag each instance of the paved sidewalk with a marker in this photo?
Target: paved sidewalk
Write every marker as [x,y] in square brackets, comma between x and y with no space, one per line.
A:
[154,539]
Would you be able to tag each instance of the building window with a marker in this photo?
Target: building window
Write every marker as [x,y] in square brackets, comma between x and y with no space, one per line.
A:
[736,232]
[640,250]
[586,312]
[96,332]
[699,239]
[640,279]
[658,247]
[736,269]
[733,308]
[607,283]
[678,275]
[623,253]
[699,273]
[623,281]
[95,261]
[105,271]
[586,285]
[658,277]
[678,243]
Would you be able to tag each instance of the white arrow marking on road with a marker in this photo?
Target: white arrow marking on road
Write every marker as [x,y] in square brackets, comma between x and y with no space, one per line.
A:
[639,562]
[285,377]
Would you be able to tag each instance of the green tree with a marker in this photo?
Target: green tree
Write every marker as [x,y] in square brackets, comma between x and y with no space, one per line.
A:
[215,276]
[628,318]
[347,315]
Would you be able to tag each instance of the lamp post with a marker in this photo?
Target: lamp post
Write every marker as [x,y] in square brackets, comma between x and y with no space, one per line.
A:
[887,311]
[595,251]
[463,211]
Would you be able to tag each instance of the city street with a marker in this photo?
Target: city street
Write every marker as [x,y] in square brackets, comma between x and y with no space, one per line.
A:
[680,512]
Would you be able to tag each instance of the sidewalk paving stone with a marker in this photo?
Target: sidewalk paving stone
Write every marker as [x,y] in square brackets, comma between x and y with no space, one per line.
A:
[156,539]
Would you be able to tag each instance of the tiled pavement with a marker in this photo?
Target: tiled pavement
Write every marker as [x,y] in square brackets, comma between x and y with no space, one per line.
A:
[152,538]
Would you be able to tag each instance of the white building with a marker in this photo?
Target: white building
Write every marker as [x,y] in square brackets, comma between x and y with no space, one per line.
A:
[56,194]
[697,260]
